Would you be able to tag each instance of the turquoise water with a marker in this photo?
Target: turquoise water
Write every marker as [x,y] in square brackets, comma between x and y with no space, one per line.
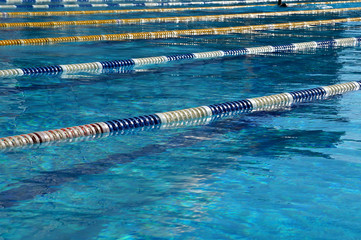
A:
[287,174]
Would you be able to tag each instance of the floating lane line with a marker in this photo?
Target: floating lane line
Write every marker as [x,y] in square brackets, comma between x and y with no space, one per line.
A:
[166,118]
[173,33]
[113,64]
[62,13]
[173,19]
[112,5]
[147,3]
[123,11]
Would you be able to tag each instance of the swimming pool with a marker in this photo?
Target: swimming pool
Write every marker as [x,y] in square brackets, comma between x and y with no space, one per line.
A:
[284,174]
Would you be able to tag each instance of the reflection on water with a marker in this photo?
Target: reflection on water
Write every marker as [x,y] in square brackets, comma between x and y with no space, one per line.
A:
[261,141]
[252,141]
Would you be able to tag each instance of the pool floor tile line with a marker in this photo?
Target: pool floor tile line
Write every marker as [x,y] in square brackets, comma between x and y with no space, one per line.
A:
[264,103]
[221,17]
[115,64]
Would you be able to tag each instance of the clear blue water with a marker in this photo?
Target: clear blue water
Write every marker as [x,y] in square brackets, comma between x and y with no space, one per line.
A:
[290,174]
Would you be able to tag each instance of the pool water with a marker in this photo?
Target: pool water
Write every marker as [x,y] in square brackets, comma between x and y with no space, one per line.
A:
[286,174]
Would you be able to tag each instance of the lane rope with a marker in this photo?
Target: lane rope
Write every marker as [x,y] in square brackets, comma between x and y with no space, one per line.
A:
[139,4]
[206,113]
[122,11]
[97,66]
[173,19]
[173,33]
[106,5]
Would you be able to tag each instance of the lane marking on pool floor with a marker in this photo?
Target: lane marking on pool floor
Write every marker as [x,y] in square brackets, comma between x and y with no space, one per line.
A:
[173,33]
[122,11]
[202,113]
[173,19]
[115,64]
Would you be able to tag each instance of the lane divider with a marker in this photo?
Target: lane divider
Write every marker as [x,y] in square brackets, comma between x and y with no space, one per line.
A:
[95,66]
[122,11]
[174,33]
[140,4]
[108,5]
[203,112]
[173,19]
